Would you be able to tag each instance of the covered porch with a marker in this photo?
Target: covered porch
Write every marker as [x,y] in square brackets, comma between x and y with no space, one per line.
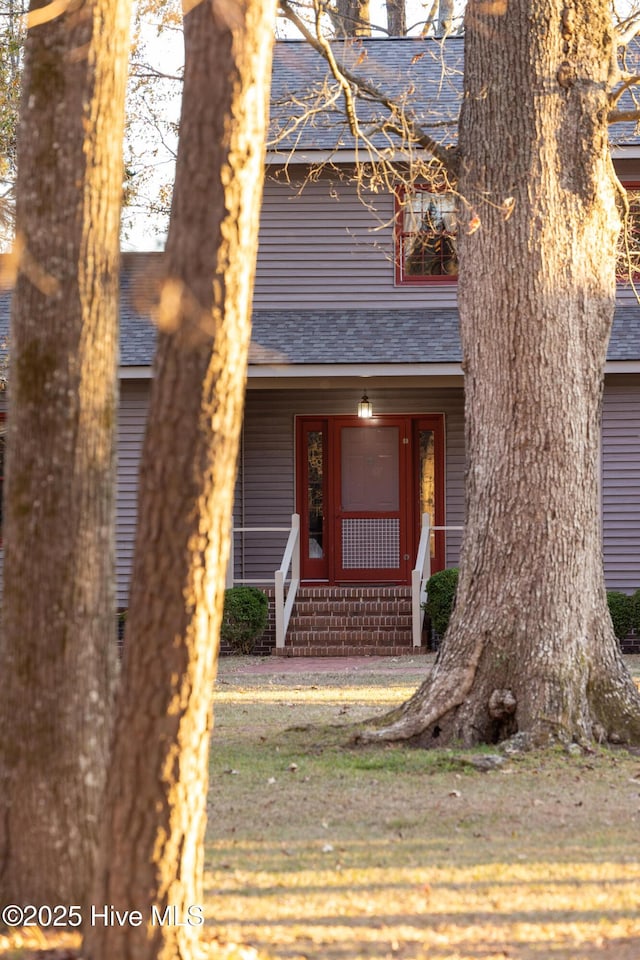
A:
[331,508]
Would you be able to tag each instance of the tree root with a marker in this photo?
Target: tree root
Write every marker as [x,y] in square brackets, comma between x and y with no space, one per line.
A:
[460,704]
[433,702]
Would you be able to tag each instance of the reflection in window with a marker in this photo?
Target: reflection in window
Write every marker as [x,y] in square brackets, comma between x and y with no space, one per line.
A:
[315,499]
[428,235]
[427,478]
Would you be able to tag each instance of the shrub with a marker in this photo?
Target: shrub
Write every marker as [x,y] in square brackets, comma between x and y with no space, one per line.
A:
[621,610]
[635,611]
[244,618]
[441,594]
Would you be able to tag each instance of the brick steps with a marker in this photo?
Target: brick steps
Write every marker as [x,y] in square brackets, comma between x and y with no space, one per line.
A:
[350,622]
[348,650]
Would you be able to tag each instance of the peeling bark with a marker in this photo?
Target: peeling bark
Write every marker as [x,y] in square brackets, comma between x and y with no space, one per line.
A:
[537,238]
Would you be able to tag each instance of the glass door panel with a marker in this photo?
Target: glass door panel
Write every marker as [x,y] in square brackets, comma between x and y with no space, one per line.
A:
[315,495]
[369,465]
[312,498]
[427,479]
[428,436]
[370,526]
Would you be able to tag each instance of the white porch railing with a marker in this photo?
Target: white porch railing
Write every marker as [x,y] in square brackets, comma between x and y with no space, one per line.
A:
[420,577]
[290,559]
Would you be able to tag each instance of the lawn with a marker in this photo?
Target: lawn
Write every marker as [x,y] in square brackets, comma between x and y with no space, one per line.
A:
[319,850]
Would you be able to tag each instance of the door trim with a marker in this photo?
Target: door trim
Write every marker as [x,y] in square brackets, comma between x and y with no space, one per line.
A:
[325,568]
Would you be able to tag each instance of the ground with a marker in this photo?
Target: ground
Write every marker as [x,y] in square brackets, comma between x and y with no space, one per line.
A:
[320,851]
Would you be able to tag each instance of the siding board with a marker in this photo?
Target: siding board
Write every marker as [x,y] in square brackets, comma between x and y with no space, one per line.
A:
[621,482]
[323,245]
[132,416]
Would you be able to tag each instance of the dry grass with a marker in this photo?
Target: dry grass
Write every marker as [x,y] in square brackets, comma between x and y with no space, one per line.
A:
[317,850]
[321,851]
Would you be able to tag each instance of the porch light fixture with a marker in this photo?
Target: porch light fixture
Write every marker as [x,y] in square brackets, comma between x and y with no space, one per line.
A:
[365,410]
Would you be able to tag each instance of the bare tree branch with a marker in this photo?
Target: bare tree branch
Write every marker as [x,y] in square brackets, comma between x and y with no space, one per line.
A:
[147,72]
[447,156]
[624,116]
[622,89]
[627,30]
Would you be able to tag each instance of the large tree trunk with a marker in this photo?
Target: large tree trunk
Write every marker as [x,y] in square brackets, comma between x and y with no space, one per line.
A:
[350,18]
[57,646]
[152,856]
[396,18]
[530,646]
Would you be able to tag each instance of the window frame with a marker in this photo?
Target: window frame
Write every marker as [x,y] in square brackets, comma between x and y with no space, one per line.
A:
[629,277]
[402,279]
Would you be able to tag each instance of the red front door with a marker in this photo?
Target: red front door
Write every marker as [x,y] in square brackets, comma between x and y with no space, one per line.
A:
[362,486]
[370,524]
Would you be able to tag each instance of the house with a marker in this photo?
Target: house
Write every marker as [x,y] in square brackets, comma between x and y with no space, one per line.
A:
[355,313]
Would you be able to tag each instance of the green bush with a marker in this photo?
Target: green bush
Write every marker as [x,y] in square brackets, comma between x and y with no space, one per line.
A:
[635,611]
[441,594]
[621,610]
[244,618]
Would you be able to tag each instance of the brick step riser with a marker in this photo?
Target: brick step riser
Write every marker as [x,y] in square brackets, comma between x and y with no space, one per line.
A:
[349,650]
[351,610]
[308,622]
[366,635]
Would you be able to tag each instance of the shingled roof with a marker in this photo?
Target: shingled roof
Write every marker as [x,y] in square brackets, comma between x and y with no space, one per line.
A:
[333,336]
[422,73]
[307,109]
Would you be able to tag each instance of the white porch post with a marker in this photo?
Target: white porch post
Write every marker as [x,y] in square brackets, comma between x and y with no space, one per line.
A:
[231,561]
[419,577]
[279,605]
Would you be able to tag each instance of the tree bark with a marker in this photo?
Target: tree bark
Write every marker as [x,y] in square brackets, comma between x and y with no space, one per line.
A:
[351,18]
[57,645]
[530,647]
[396,18]
[152,853]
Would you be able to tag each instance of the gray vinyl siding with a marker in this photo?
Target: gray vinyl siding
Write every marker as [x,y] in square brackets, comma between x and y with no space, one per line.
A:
[134,400]
[621,482]
[322,245]
[266,492]
[264,488]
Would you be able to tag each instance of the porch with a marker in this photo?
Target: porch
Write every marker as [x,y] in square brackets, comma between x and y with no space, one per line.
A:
[348,620]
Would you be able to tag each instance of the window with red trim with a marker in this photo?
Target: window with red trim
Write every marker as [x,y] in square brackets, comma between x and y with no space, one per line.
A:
[426,228]
[628,262]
